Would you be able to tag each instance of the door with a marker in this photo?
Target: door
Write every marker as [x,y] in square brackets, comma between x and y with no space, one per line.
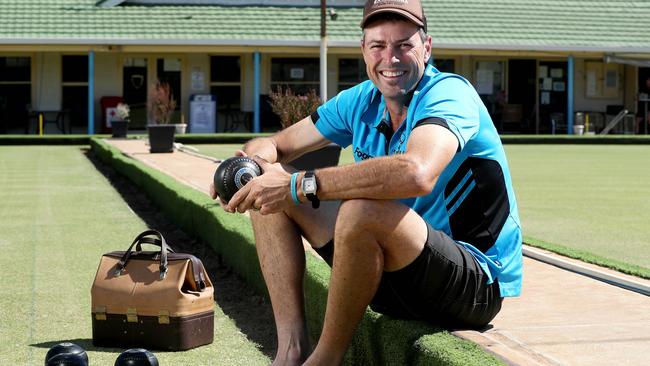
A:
[519,114]
[15,94]
[643,108]
[489,81]
[134,90]
[168,70]
[552,97]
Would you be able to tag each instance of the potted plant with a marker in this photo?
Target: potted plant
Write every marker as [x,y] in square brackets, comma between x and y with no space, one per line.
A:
[291,108]
[160,106]
[121,127]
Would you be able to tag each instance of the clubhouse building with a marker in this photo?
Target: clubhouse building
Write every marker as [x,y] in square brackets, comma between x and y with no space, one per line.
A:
[540,67]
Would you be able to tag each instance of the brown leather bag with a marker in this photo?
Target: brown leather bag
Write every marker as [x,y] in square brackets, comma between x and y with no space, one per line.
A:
[152,299]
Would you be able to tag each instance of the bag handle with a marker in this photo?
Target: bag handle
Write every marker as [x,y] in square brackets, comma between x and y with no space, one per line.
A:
[143,239]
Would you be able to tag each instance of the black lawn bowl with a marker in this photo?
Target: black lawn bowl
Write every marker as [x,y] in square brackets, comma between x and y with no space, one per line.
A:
[136,357]
[66,354]
[234,173]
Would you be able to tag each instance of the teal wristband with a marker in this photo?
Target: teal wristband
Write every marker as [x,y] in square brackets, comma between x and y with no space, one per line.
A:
[294,189]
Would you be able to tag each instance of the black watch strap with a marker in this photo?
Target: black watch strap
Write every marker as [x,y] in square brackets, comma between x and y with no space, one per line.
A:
[315,202]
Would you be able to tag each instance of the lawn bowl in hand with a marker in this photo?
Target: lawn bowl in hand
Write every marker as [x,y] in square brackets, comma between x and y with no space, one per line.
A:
[232,174]
[136,357]
[66,354]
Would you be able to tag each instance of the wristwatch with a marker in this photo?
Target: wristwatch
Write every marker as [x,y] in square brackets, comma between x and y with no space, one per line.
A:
[309,188]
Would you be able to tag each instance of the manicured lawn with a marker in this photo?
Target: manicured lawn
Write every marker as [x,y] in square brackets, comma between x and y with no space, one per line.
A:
[586,198]
[586,201]
[58,215]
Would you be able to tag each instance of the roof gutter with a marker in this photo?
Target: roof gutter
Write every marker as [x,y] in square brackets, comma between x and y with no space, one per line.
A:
[314,43]
[627,60]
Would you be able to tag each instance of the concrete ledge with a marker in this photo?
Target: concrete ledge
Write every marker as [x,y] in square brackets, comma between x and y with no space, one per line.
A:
[380,340]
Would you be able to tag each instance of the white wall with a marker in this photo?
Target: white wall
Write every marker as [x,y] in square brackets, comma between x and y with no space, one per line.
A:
[108,82]
[47,84]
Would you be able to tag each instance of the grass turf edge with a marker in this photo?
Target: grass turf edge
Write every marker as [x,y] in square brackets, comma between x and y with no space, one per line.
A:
[587,257]
[379,339]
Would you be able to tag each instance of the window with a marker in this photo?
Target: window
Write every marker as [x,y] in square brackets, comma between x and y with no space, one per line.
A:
[299,74]
[15,93]
[352,71]
[74,77]
[225,82]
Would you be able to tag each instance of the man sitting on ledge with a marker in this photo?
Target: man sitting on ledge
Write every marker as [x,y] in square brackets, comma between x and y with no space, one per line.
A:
[423,226]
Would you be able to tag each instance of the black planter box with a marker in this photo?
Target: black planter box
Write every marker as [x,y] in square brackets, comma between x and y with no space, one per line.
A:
[161,138]
[119,128]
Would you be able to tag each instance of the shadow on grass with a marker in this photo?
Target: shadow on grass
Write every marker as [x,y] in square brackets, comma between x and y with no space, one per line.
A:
[250,311]
[86,344]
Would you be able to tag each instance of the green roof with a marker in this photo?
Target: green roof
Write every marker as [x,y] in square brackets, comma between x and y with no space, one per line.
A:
[604,26]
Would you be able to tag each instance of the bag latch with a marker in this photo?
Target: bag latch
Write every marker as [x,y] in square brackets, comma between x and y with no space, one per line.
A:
[131,315]
[163,317]
[100,312]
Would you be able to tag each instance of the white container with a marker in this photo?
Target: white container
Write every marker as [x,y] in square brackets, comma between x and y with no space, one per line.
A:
[579,129]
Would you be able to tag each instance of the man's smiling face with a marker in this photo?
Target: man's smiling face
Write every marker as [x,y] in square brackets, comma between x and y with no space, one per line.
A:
[395,56]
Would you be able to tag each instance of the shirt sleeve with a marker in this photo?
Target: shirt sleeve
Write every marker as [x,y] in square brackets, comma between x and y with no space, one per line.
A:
[336,117]
[455,102]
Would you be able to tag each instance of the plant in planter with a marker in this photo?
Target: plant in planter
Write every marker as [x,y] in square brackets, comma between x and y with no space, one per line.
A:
[120,128]
[292,108]
[160,106]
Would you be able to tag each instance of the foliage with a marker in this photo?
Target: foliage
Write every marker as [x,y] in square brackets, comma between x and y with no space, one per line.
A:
[291,107]
[161,103]
[123,111]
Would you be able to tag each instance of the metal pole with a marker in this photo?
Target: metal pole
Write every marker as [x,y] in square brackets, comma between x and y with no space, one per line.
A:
[569,125]
[256,92]
[323,51]
[91,92]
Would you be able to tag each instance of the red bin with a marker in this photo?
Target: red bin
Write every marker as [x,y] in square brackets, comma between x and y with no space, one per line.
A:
[108,105]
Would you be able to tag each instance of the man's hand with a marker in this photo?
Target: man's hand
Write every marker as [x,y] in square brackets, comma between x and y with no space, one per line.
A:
[213,191]
[269,193]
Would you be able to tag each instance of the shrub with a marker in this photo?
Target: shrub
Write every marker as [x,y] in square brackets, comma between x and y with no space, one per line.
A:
[291,107]
[161,103]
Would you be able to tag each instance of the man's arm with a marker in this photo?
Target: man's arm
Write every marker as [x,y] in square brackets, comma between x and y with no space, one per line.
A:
[414,173]
[287,144]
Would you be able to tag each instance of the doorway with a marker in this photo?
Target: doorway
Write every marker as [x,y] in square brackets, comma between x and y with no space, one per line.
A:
[519,114]
[643,107]
[15,94]
[168,70]
[552,97]
[134,90]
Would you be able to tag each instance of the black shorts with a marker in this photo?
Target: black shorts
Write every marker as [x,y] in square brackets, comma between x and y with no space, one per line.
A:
[444,285]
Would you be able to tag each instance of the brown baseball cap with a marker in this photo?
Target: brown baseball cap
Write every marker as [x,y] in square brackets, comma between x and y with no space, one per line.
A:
[410,9]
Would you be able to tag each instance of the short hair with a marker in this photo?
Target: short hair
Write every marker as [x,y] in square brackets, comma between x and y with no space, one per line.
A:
[392,17]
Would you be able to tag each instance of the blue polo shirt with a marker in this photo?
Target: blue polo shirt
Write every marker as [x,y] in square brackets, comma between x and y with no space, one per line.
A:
[473,200]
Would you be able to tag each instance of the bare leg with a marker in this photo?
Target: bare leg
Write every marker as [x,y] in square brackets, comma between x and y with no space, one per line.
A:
[371,237]
[282,259]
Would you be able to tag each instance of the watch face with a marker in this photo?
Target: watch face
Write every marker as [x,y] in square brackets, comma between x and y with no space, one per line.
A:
[310,186]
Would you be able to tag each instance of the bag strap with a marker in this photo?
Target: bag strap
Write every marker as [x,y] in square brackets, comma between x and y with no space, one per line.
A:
[143,239]
[157,242]
[197,272]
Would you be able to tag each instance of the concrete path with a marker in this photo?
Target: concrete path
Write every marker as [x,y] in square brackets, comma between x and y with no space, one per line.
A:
[562,318]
